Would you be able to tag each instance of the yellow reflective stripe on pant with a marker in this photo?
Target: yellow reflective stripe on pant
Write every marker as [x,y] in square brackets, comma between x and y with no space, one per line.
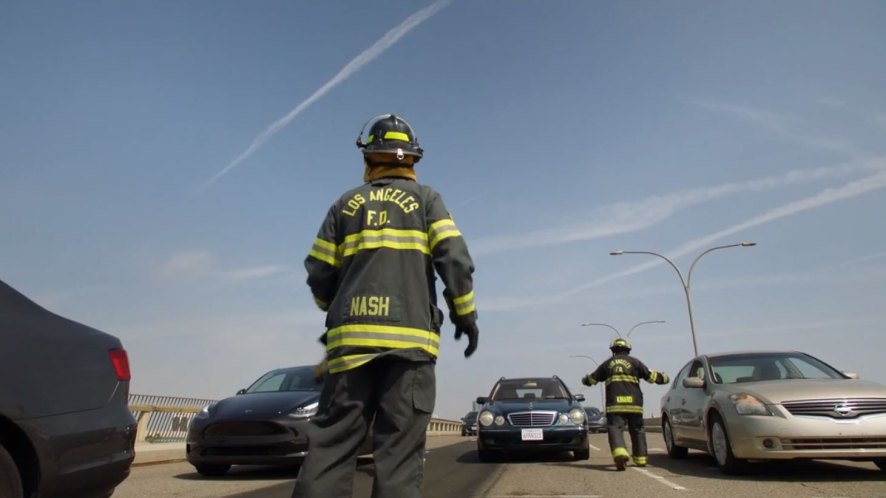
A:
[617,452]
[390,238]
[464,305]
[640,460]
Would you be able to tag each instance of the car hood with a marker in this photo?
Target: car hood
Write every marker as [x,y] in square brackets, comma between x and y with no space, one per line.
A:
[558,405]
[777,391]
[262,405]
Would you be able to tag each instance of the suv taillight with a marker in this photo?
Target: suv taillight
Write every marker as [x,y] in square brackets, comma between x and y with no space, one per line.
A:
[121,363]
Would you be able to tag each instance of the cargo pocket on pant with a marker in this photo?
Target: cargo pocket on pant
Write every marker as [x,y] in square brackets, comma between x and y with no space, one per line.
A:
[424,387]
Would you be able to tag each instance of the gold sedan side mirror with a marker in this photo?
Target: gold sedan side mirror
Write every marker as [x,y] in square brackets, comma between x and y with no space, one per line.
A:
[693,382]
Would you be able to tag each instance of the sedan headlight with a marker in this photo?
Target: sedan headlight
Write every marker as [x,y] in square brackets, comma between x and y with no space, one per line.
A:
[577,416]
[748,404]
[305,411]
[486,417]
[204,413]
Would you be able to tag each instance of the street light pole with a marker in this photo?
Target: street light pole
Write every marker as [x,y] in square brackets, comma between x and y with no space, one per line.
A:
[687,281]
[616,330]
[602,392]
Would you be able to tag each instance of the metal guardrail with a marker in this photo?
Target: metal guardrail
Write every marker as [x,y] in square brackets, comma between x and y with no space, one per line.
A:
[165,419]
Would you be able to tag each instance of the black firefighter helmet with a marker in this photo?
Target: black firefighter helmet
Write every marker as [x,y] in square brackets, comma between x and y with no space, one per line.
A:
[620,344]
[390,134]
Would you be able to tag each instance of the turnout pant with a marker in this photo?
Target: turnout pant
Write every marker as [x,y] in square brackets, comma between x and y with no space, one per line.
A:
[634,423]
[396,397]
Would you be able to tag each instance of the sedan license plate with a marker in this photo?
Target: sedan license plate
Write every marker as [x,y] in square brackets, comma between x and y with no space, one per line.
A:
[531,434]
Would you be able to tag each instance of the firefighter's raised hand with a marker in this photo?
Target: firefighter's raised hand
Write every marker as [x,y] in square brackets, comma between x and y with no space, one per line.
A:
[473,334]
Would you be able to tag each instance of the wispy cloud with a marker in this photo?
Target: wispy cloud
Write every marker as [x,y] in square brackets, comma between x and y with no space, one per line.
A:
[367,56]
[201,264]
[256,272]
[632,216]
[828,196]
[785,126]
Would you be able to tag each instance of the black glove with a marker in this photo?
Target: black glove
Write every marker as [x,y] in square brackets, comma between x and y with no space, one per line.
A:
[473,335]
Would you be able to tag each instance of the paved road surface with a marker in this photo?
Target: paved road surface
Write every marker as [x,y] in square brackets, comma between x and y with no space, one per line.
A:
[453,470]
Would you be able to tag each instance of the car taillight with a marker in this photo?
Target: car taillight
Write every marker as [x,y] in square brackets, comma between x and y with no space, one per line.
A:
[121,363]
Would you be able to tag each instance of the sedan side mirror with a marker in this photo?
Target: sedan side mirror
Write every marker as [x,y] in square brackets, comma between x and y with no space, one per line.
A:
[851,375]
[241,391]
[693,382]
[579,397]
[482,399]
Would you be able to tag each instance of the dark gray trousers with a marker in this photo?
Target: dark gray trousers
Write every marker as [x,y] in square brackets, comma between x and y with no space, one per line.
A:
[634,423]
[396,397]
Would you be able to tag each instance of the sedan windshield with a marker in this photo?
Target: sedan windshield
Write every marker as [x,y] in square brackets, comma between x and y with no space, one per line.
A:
[754,367]
[290,379]
[526,389]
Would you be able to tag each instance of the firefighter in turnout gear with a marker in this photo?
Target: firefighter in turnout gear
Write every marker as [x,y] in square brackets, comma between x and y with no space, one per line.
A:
[372,270]
[624,400]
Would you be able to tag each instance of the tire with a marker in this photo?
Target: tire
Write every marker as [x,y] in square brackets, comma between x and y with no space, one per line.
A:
[212,470]
[721,448]
[583,454]
[674,451]
[880,462]
[10,481]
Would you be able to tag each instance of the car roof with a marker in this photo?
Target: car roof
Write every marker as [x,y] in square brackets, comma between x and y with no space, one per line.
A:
[758,352]
[527,379]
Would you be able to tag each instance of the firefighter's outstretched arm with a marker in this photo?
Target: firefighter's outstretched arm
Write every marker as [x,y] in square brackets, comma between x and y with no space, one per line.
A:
[656,377]
[454,265]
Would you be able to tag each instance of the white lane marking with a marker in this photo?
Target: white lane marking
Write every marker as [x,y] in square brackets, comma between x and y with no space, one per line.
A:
[544,496]
[594,447]
[656,450]
[660,479]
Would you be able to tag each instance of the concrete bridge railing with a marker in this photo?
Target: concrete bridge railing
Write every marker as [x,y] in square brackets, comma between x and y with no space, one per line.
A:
[165,419]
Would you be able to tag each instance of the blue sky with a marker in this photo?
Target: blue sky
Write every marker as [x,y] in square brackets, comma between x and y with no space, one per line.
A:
[164,167]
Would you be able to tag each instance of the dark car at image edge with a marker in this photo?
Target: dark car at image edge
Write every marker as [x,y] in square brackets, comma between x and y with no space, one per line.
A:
[65,426]
[264,424]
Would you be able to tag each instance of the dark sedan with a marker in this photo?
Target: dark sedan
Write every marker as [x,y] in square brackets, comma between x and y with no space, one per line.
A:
[263,424]
[65,427]
[532,414]
[469,424]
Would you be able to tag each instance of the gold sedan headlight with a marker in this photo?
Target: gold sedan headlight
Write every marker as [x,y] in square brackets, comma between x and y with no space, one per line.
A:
[748,404]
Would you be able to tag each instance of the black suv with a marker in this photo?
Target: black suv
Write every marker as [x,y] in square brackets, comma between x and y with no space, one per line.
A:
[65,426]
[532,414]
[469,424]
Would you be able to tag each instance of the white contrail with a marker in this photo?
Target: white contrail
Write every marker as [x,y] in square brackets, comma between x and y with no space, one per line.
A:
[367,56]
[632,216]
[825,197]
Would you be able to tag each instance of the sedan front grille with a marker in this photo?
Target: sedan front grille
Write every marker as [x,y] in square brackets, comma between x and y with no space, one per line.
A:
[234,429]
[532,419]
[853,443]
[839,408]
